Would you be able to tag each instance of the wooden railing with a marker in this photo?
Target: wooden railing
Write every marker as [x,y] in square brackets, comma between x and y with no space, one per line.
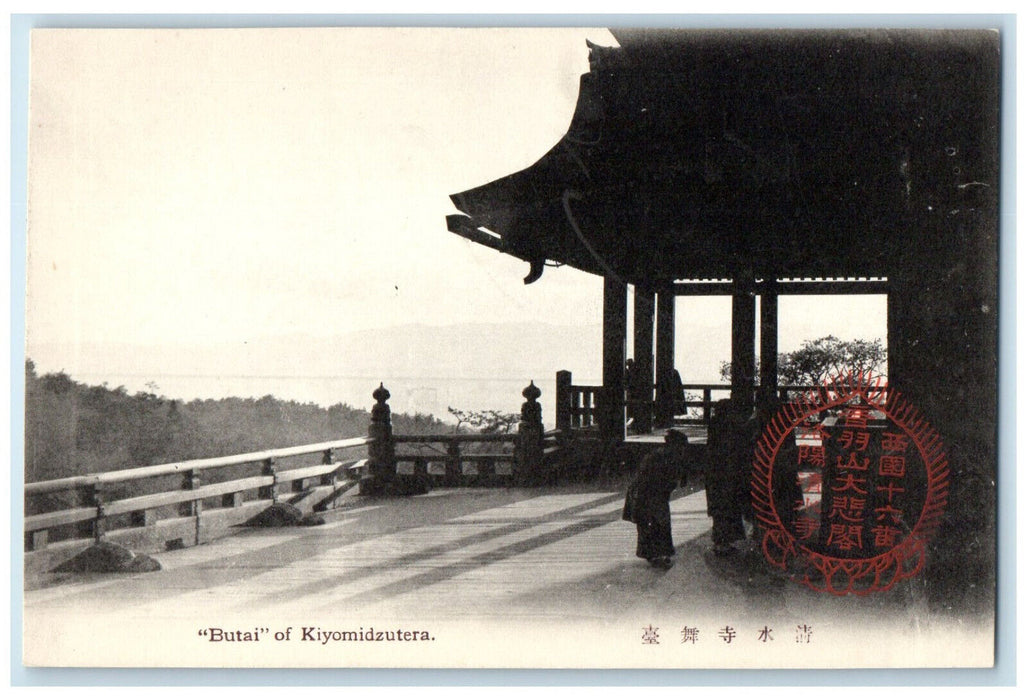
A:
[185,503]
[192,501]
[140,497]
[577,405]
[444,459]
[232,487]
[706,400]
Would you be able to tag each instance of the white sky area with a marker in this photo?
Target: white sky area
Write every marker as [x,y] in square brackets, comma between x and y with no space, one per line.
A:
[205,187]
[211,185]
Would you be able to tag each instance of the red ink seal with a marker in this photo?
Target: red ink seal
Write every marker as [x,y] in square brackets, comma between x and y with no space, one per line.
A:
[849,483]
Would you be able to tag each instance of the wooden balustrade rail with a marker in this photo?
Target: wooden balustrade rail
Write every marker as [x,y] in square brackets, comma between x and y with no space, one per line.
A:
[576,404]
[517,458]
[85,480]
[460,467]
[102,503]
[584,405]
[132,505]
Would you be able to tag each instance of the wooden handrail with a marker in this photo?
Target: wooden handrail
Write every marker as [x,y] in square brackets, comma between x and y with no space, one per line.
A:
[189,496]
[576,402]
[100,506]
[76,482]
[155,500]
[477,456]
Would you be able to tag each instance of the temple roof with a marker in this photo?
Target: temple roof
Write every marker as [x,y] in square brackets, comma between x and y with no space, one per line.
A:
[718,153]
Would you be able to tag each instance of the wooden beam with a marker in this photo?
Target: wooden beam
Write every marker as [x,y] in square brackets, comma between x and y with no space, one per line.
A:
[664,357]
[847,286]
[464,226]
[641,389]
[896,342]
[768,344]
[743,343]
[615,331]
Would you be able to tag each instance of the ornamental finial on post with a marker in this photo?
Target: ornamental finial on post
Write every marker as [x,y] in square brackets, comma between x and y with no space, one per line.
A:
[381,453]
[529,436]
[380,412]
[531,410]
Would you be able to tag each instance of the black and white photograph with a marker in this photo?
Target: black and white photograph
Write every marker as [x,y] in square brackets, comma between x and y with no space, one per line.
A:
[607,346]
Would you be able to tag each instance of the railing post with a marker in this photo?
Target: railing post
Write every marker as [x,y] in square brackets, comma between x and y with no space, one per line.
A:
[587,407]
[329,478]
[270,491]
[529,436]
[707,403]
[36,540]
[381,453]
[563,401]
[99,527]
[454,464]
[579,408]
[191,482]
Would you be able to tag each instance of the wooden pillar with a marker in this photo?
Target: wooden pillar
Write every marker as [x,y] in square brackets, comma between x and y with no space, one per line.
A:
[895,351]
[641,389]
[615,331]
[563,401]
[768,344]
[664,357]
[743,341]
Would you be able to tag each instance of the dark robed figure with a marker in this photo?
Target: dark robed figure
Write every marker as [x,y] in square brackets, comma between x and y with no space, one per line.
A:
[731,439]
[647,503]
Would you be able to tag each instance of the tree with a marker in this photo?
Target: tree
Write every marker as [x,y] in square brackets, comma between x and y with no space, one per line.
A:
[819,359]
[489,421]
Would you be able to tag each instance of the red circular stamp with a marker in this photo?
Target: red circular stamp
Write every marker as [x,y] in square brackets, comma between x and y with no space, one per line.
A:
[849,482]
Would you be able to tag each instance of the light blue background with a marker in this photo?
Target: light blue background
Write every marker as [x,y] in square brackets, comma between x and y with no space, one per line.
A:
[1004,672]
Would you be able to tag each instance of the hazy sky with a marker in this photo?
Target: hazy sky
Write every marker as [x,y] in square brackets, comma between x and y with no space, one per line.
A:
[214,185]
[218,186]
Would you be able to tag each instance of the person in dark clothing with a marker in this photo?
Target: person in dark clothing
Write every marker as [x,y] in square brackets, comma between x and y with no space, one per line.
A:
[730,442]
[647,503]
[785,489]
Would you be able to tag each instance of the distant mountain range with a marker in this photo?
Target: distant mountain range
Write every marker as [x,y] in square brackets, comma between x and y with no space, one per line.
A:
[410,354]
[475,350]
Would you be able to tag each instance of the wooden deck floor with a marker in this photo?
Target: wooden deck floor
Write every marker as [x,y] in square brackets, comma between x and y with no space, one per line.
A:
[535,577]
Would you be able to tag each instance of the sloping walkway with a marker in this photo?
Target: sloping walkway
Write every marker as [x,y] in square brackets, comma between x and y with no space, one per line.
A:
[537,577]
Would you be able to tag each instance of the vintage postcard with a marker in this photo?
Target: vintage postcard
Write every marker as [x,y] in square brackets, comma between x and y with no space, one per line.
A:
[604,347]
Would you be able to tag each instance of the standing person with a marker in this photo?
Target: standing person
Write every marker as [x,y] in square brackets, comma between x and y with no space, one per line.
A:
[730,444]
[677,389]
[786,491]
[648,499]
